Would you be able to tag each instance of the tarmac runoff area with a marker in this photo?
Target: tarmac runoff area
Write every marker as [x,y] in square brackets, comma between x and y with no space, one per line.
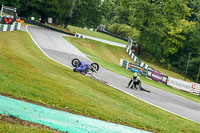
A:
[59,120]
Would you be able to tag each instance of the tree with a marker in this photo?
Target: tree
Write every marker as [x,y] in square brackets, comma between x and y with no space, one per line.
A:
[64,13]
[44,8]
[146,17]
[88,13]
[194,5]
[159,23]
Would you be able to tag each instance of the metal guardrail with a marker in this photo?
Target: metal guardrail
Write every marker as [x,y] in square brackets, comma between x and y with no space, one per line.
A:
[190,87]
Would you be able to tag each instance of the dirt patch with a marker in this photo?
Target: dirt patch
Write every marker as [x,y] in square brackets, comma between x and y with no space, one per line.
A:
[16,121]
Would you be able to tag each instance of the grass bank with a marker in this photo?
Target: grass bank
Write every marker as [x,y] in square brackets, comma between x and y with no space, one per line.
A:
[27,74]
[10,124]
[109,56]
[15,128]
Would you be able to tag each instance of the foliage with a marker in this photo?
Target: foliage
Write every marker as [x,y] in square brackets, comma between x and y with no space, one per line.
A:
[166,28]
[123,30]
[114,28]
[89,13]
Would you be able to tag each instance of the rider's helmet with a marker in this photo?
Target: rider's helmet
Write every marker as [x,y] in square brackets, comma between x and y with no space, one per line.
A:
[134,75]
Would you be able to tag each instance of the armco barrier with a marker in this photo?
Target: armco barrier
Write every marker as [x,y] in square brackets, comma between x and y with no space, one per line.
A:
[153,74]
[196,89]
[159,77]
[123,63]
[132,67]
[190,87]
[10,27]
[181,85]
[135,68]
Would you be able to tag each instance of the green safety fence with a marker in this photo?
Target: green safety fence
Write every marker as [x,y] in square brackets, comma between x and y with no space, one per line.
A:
[10,27]
[135,59]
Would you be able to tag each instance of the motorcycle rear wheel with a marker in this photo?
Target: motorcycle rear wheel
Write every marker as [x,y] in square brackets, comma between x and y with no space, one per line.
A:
[95,66]
[76,62]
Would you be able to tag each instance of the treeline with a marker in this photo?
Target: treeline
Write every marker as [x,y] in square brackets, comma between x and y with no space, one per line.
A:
[168,31]
[83,13]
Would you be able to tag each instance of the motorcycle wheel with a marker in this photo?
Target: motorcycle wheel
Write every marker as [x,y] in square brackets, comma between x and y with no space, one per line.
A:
[76,62]
[95,66]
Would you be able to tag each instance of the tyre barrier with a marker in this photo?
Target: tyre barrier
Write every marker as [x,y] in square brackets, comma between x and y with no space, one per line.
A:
[190,87]
[79,36]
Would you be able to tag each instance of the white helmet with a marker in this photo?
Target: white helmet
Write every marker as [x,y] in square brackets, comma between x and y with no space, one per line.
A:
[134,75]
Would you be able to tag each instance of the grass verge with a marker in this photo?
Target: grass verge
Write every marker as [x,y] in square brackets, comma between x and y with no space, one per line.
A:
[95,34]
[9,124]
[27,74]
[108,57]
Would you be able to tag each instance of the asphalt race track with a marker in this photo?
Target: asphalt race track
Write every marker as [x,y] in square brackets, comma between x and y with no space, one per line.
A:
[55,47]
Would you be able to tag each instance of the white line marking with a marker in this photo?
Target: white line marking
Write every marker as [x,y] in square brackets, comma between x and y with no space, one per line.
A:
[149,102]
[41,48]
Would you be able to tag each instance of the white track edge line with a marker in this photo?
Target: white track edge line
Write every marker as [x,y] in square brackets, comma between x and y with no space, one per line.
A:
[41,48]
[150,103]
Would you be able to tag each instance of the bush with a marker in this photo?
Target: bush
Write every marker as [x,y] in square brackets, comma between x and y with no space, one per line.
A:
[123,30]
[113,28]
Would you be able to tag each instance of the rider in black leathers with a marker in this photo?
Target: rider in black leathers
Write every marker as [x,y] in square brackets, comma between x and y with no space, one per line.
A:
[135,80]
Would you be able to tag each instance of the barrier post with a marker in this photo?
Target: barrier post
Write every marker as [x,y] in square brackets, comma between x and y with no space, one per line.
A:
[1,27]
[198,74]
[1,12]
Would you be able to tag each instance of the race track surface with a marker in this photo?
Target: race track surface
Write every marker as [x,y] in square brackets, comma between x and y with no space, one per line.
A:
[54,46]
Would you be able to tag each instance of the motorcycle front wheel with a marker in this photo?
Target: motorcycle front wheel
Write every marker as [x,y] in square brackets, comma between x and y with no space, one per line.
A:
[76,62]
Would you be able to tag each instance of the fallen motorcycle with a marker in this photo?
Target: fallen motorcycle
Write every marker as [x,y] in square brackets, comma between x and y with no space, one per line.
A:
[84,67]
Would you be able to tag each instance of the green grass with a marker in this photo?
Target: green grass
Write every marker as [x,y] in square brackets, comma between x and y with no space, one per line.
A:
[15,128]
[108,57]
[27,74]
[95,34]
[12,127]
